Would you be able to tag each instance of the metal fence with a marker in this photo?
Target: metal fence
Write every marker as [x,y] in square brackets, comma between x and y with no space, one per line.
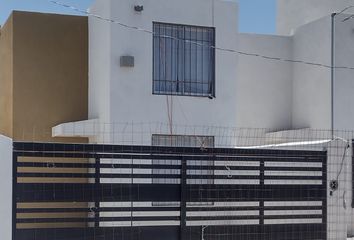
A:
[109,192]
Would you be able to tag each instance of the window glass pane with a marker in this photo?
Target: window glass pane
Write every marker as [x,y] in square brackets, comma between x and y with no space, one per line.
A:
[206,65]
[183,60]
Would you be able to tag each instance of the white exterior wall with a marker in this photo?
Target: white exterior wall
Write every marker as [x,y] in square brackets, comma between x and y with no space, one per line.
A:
[264,87]
[6,188]
[99,62]
[294,13]
[250,92]
[344,81]
[130,89]
[312,84]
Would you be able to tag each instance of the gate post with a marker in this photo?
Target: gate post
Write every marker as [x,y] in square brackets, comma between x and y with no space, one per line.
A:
[97,184]
[261,195]
[183,201]
[14,194]
[261,198]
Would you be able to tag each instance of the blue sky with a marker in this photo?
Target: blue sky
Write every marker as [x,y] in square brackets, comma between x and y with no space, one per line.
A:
[257,16]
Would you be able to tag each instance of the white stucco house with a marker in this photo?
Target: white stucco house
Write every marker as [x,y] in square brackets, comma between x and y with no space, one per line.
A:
[178,63]
[200,77]
[236,90]
[157,73]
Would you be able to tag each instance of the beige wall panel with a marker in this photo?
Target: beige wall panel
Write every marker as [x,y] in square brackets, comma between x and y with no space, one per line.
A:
[40,205]
[51,180]
[6,78]
[51,161]
[51,170]
[50,225]
[55,215]
[50,74]
[49,215]
[44,82]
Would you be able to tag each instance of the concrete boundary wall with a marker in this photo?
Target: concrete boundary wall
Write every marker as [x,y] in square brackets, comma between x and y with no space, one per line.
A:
[6,188]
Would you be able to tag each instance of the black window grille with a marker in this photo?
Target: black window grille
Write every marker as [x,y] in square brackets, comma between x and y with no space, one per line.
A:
[183,60]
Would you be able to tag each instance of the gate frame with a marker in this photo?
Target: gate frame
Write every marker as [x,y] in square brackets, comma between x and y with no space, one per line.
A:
[98,151]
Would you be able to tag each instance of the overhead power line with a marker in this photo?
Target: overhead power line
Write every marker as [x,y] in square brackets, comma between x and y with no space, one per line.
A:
[280,59]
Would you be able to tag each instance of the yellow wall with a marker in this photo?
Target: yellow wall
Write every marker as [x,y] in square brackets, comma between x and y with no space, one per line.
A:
[49,75]
[6,98]
[43,82]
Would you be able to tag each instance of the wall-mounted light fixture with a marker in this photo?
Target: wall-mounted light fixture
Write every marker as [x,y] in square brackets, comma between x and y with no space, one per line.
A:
[139,8]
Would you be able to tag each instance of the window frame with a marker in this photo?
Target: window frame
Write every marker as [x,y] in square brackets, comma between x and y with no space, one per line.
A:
[212,94]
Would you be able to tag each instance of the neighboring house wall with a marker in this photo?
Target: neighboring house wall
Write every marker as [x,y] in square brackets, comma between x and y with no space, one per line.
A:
[49,74]
[264,86]
[6,84]
[130,89]
[294,13]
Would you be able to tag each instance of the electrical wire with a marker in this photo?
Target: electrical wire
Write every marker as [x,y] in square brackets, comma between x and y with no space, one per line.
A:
[342,161]
[280,59]
[345,9]
[347,146]
[341,169]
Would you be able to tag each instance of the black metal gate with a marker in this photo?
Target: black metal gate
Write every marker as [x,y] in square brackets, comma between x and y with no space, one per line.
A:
[110,192]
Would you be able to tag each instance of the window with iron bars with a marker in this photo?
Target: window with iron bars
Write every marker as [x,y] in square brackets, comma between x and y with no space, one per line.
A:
[183,60]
